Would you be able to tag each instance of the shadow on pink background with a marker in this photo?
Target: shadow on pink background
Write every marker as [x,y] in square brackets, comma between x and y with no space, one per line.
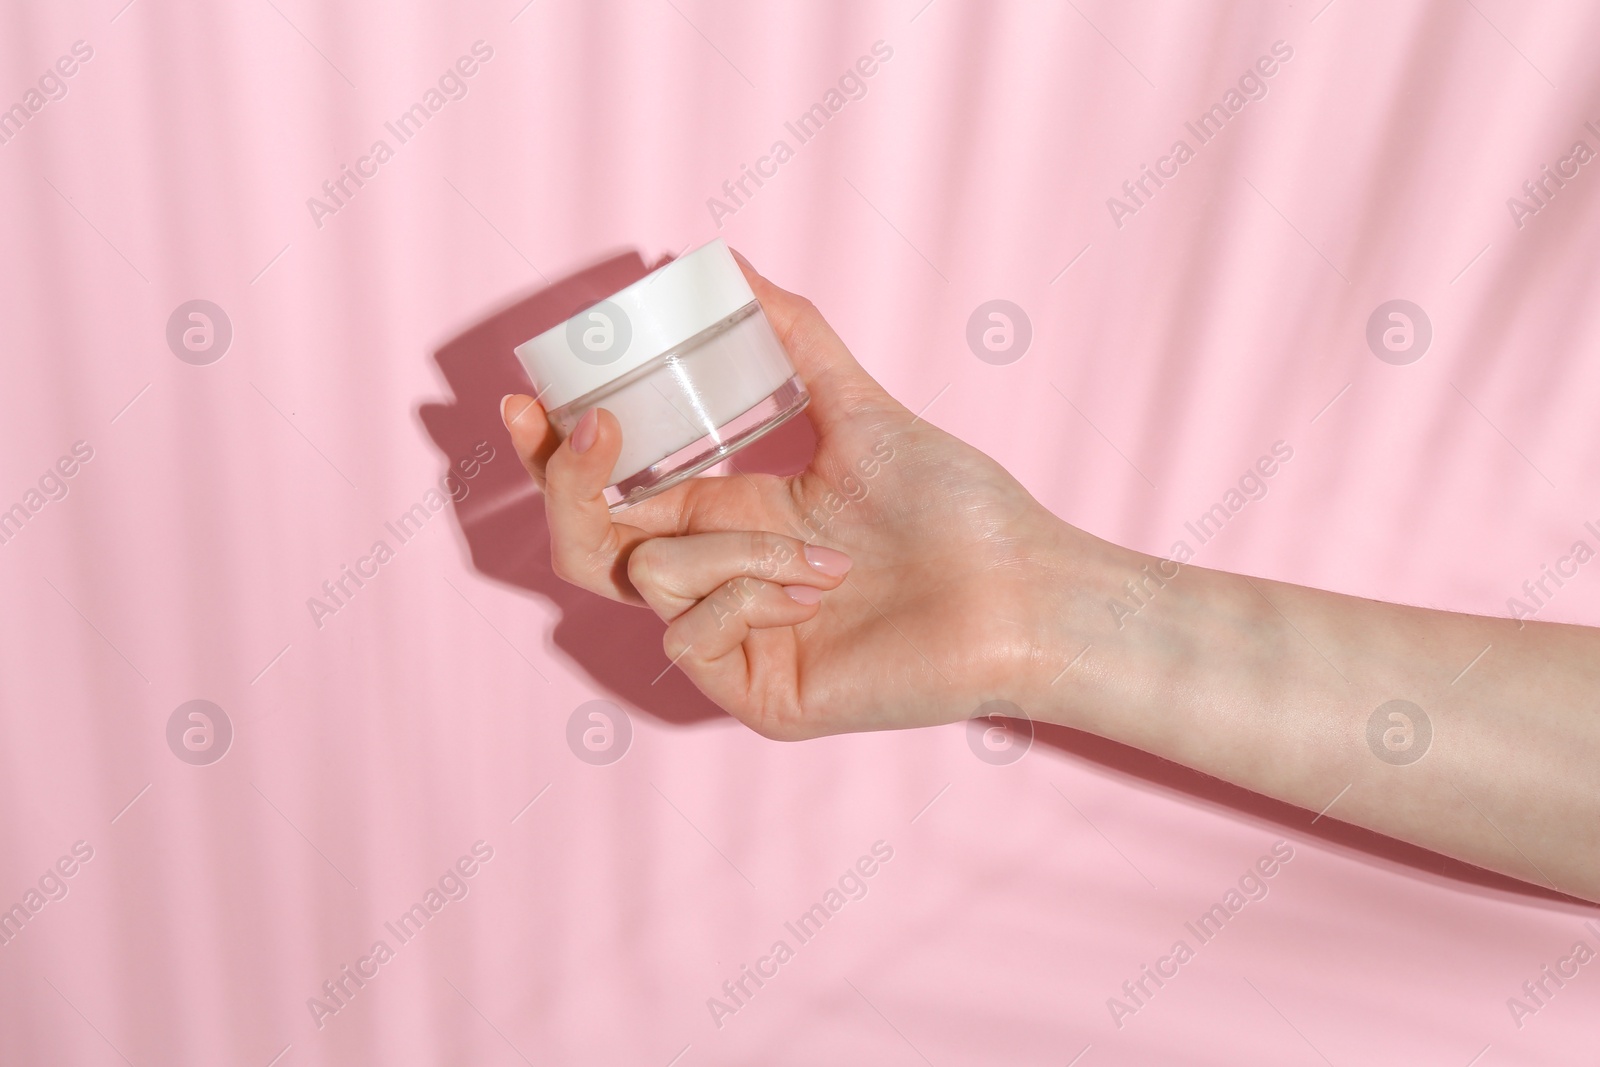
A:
[375,747]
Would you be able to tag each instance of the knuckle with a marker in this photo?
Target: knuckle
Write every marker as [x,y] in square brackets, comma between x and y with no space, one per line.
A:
[810,322]
[807,320]
[575,568]
[643,564]
[564,477]
[768,553]
[743,590]
[725,604]
[555,470]
[801,321]
[677,646]
[561,565]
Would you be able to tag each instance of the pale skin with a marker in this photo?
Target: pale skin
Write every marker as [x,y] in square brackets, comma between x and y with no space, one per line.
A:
[871,593]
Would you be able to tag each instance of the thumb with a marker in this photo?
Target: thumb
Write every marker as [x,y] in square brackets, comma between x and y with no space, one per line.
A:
[840,388]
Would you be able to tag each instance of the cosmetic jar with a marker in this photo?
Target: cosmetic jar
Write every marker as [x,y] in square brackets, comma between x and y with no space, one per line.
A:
[684,358]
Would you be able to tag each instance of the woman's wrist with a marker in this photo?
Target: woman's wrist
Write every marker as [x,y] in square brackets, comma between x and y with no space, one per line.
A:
[1135,647]
[1075,662]
[1186,662]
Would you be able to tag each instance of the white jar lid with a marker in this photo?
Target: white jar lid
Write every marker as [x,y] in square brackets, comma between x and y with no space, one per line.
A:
[630,328]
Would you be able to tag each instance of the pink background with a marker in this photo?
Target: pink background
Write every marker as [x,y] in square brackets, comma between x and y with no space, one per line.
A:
[369,353]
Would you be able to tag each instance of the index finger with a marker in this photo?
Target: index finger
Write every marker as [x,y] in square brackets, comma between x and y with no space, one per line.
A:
[535,440]
[587,548]
[532,437]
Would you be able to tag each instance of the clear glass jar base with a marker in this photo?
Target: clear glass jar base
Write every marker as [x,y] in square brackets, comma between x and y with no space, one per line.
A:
[788,400]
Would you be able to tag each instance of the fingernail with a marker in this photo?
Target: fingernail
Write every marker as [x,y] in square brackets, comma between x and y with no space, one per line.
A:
[803,594]
[830,562]
[586,431]
[509,416]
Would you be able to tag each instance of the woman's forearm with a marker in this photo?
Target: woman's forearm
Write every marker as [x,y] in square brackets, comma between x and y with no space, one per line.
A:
[1286,691]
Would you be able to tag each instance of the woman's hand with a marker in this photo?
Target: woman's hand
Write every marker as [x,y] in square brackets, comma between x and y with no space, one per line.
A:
[901,580]
[904,579]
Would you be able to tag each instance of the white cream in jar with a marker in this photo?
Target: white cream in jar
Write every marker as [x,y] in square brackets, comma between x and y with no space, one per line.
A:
[684,358]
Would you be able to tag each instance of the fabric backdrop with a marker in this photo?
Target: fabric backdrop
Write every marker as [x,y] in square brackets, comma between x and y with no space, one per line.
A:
[411,759]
